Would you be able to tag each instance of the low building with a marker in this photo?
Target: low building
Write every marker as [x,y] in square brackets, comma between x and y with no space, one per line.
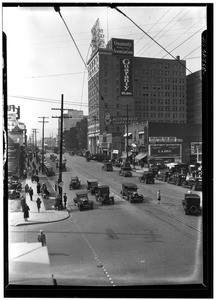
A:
[161,142]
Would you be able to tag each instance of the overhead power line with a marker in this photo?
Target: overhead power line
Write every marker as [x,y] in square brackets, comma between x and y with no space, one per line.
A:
[57,9]
[155,41]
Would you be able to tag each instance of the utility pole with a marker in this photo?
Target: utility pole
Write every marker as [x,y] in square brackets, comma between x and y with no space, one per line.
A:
[35,131]
[60,183]
[43,140]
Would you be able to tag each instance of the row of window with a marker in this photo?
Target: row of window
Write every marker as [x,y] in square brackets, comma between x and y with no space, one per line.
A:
[161,87]
[161,94]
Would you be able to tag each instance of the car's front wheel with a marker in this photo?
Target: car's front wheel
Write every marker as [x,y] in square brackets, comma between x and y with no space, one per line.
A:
[194,209]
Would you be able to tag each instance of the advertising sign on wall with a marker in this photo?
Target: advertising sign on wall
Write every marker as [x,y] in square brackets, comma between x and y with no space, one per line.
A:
[121,46]
[126,77]
[169,150]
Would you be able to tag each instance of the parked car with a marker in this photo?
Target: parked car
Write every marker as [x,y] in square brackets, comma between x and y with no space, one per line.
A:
[92,185]
[117,163]
[107,166]
[194,183]
[191,204]
[125,171]
[103,195]
[74,183]
[147,177]
[164,175]
[129,191]
[14,185]
[49,170]
[82,200]
[154,170]
[176,178]
[13,194]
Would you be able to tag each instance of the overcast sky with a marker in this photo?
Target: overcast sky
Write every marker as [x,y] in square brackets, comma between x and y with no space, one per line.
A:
[43,62]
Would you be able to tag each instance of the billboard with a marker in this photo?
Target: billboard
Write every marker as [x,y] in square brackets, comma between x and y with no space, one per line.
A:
[163,150]
[126,77]
[121,46]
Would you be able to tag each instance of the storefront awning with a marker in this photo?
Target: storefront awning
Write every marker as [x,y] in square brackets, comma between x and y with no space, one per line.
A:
[115,152]
[125,155]
[141,132]
[140,156]
[126,134]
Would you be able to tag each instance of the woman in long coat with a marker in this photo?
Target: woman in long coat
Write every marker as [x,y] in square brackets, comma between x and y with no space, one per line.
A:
[26,212]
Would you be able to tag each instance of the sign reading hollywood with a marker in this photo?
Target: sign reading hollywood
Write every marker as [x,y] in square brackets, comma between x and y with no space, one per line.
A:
[126,77]
[162,150]
[121,46]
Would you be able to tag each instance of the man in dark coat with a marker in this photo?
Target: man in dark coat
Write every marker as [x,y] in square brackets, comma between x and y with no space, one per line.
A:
[38,188]
[26,212]
[38,201]
[42,238]
[31,193]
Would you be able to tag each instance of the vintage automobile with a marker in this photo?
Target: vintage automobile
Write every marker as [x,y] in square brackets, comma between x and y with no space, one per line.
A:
[191,204]
[13,194]
[154,169]
[147,177]
[74,183]
[163,175]
[176,178]
[82,200]
[129,191]
[194,183]
[125,172]
[103,195]
[49,170]
[14,185]
[92,186]
[117,163]
[107,166]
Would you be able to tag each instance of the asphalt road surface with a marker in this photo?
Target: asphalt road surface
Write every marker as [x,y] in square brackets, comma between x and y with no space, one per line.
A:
[122,244]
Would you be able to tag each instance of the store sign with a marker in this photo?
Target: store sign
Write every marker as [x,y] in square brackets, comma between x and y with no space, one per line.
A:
[123,120]
[126,77]
[161,150]
[121,46]
[166,139]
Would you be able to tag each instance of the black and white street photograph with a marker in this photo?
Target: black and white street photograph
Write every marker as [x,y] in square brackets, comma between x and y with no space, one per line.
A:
[106,186]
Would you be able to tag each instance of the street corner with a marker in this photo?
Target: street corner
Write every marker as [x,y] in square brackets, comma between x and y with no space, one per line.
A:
[42,217]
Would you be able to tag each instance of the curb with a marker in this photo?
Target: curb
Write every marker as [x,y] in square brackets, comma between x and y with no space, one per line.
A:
[42,222]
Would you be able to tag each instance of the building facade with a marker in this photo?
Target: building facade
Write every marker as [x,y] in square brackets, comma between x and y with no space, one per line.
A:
[194,98]
[122,87]
[160,142]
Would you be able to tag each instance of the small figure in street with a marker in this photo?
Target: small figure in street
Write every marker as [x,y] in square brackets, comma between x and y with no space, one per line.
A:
[26,212]
[38,188]
[38,201]
[39,169]
[23,202]
[158,196]
[42,238]
[26,188]
[65,200]
[31,193]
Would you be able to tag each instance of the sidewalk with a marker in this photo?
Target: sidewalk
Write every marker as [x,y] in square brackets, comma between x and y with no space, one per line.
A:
[44,216]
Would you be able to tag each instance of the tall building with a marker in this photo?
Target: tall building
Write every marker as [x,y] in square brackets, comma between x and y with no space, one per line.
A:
[194,98]
[122,86]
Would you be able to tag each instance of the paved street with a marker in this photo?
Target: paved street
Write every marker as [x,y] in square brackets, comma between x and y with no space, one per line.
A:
[125,243]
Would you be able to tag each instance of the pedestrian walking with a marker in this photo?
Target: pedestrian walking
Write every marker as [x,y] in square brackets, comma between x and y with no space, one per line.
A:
[38,201]
[31,193]
[38,188]
[26,212]
[39,169]
[158,196]
[26,188]
[42,238]
[65,200]
[22,201]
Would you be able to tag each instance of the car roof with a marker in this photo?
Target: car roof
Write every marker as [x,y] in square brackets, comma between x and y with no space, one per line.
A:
[92,180]
[103,186]
[81,193]
[129,184]
[188,196]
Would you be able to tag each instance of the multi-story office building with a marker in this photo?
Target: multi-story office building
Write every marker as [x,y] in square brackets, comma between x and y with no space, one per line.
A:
[149,89]
[194,98]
